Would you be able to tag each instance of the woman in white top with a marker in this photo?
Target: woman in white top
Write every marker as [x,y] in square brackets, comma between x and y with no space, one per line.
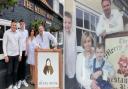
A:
[31,45]
[84,59]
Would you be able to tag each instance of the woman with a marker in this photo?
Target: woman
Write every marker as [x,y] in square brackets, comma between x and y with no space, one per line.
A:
[83,63]
[31,45]
[48,69]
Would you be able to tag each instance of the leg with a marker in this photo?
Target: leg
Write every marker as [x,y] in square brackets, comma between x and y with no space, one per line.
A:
[22,67]
[33,74]
[9,80]
[15,69]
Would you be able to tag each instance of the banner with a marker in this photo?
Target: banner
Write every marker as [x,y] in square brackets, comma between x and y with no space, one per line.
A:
[117,54]
[48,69]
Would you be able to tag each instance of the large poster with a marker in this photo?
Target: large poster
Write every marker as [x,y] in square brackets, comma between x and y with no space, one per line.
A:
[47,69]
[117,54]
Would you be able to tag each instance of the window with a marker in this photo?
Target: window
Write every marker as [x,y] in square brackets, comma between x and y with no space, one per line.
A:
[79,18]
[78,35]
[85,22]
[1,31]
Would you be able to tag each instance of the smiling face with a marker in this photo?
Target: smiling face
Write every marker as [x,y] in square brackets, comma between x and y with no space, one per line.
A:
[13,26]
[41,29]
[32,33]
[100,53]
[67,24]
[22,25]
[48,62]
[106,5]
[87,43]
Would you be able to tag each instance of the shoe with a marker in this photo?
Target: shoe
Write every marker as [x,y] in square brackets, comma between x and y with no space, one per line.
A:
[25,83]
[19,84]
[10,87]
[15,87]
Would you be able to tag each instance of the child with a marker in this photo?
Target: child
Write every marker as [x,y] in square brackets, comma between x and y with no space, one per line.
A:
[100,64]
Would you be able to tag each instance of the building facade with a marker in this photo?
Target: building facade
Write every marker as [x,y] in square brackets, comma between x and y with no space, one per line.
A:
[31,10]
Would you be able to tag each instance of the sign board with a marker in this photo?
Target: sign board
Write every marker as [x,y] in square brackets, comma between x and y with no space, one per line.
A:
[48,68]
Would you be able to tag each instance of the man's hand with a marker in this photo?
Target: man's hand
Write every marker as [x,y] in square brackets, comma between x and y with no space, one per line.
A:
[6,59]
[103,34]
[20,58]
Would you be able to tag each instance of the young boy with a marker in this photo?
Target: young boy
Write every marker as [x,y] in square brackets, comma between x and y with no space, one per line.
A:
[102,69]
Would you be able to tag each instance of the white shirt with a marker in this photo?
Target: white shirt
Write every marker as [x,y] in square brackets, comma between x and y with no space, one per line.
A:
[70,53]
[24,36]
[12,44]
[112,25]
[44,40]
[83,70]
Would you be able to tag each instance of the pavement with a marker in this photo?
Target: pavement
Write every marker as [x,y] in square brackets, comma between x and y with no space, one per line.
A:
[30,87]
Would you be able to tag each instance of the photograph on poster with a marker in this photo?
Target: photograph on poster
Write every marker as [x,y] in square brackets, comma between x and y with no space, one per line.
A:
[48,70]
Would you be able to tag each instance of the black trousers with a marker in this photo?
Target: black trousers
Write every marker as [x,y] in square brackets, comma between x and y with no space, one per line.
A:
[22,67]
[12,67]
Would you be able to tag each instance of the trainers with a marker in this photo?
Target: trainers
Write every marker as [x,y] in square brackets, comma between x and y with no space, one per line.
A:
[19,84]
[10,87]
[15,87]
[25,83]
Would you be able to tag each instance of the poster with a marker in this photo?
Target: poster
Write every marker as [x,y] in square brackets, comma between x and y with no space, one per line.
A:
[47,68]
[117,54]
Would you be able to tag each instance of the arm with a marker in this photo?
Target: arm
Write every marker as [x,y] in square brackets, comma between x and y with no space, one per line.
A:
[99,29]
[5,41]
[20,47]
[82,74]
[5,44]
[53,39]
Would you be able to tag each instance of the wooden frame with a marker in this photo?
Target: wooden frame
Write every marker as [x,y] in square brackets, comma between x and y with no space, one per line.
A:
[116,46]
[60,67]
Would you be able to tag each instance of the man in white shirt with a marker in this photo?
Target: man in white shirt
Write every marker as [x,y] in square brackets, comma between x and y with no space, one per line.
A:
[22,65]
[110,21]
[12,48]
[43,38]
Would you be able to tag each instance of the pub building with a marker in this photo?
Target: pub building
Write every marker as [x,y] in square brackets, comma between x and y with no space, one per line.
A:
[50,11]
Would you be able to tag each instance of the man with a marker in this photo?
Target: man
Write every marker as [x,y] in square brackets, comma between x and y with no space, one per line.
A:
[12,49]
[22,65]
[110,21]
[43,38]
[69,51]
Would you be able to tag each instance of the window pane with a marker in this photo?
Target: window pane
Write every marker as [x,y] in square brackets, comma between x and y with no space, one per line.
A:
[97,20]
[86,21]
[7,27]
[1,31]
[92,22]
[95,38]
[78,35]
[79,18]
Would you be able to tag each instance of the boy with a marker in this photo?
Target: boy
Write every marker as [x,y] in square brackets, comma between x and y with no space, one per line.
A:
[103,67]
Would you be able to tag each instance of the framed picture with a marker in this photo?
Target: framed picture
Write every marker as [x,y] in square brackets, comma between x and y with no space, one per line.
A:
[48,68]
[116,47]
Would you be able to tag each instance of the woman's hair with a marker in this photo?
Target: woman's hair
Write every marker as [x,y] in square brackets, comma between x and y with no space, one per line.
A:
[47,68]
[85,36]
[29,32]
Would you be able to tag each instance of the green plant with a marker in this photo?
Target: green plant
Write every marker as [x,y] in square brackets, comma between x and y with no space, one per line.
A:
[7,4]
[36,23]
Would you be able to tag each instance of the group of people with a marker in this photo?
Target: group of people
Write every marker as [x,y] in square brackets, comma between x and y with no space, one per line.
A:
[90,69]
[18,47]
